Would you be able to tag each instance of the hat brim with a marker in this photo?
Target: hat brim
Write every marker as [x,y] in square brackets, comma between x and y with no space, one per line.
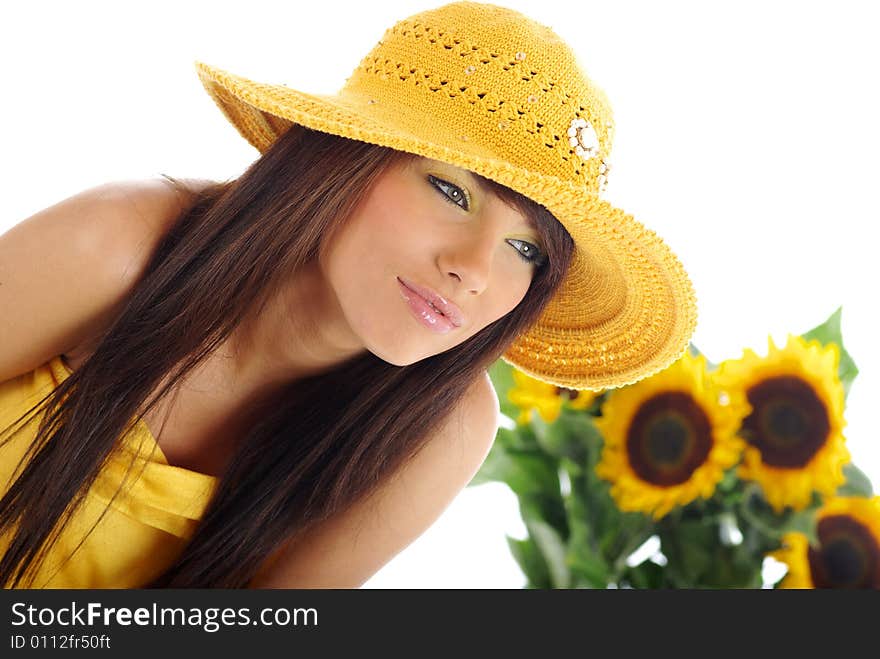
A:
[626,309]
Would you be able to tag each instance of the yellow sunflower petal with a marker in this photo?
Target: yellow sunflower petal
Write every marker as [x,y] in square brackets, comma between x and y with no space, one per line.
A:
[794,432]
[529,393]
[668,439]
[794,554]
[583,400]
[848,551]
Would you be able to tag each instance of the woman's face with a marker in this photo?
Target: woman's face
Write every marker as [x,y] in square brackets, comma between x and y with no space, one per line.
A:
[429,224]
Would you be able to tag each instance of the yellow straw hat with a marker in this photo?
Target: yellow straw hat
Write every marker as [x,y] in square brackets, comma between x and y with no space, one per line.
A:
[487,89]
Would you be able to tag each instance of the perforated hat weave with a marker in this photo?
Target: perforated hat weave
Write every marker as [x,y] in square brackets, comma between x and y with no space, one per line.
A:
[485,88]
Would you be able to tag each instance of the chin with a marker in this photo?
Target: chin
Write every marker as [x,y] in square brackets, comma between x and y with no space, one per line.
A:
[398,358]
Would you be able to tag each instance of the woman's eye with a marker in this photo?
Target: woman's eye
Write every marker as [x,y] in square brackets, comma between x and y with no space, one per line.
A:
[452,193]
[530,253]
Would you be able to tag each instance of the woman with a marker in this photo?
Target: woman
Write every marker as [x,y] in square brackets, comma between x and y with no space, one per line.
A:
[273,402]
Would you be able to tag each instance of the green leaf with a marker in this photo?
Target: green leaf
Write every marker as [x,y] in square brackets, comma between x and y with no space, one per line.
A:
[573,468]
[729,490]
[522,438]
[688,547]
[613,526]
[591,508]
[582,533]
[755,541]
[803,521]
[540,428]
[550,506]
[588,570]
[530,561]
[571,436]
[857,484]
[525,472]
[646,575]
[755,513]
[632,530]
[501,374]
[549,542]
[733,567]
[829,332]
[585,440]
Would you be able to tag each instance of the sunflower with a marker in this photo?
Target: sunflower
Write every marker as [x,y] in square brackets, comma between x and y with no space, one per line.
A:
[668,438]
[848,554]
[547,398]
[794,433]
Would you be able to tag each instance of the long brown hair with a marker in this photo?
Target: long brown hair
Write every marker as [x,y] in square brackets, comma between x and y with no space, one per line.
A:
[313,446]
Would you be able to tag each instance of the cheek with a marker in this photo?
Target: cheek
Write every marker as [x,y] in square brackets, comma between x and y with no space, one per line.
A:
[509,286]
[371,236]
[397,221]
[511,279]
[361,264]
[389,222]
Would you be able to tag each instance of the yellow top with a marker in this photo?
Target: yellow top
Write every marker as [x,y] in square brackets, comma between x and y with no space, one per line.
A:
[146,525]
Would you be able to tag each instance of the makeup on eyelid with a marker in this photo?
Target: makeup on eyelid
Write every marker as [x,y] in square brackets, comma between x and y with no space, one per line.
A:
[461,193]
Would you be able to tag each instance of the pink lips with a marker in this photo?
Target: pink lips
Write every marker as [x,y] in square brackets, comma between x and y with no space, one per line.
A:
[449,310]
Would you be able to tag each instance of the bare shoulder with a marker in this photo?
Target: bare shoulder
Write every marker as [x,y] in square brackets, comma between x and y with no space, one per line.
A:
[470,432]
[139,212]
[483,410]
[155,203]
[348,549]
[126,221]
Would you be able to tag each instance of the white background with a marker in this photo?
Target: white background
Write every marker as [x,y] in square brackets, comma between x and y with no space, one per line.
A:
[746,136]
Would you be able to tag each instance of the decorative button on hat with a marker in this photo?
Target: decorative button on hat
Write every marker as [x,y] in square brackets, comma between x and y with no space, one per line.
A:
[488,89]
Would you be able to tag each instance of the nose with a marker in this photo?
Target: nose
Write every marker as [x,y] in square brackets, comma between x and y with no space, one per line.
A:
[469,260]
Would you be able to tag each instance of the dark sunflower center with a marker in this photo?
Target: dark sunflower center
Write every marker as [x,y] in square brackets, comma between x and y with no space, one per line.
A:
[571,394]
[669,437]
[848,555]
[788,423]
[666,441]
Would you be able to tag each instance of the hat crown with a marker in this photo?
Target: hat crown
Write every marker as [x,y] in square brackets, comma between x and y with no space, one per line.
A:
[489,90]
[493,81]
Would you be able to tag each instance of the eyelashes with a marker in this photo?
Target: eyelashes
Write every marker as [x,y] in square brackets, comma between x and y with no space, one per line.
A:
[453,194]
[530,253]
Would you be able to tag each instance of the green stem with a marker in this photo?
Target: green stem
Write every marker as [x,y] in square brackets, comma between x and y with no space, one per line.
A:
[632,542]
[764,528]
